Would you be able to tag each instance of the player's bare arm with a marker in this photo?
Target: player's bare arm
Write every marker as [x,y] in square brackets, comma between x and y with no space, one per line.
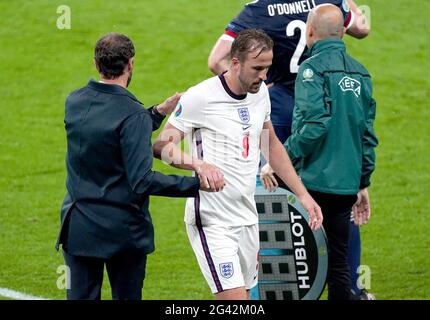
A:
[279,160]
[166,149]
[360,27]
[219,58]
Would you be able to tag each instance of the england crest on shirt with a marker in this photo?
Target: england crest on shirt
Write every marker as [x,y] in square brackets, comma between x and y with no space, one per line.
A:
[244,115]
[226,269]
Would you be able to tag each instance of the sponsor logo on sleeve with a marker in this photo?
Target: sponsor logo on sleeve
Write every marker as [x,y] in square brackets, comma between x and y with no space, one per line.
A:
[308,75]
[178,110]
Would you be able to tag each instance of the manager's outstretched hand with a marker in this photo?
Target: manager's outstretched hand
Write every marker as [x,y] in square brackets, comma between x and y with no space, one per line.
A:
[211,177]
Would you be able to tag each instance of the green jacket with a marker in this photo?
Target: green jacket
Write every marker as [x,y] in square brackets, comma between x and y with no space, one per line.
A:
[332,142]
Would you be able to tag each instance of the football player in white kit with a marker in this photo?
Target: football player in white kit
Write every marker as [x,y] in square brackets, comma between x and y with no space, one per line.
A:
[227,120]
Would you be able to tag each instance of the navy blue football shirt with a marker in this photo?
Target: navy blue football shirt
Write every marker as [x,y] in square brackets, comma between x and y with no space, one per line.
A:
[285,23]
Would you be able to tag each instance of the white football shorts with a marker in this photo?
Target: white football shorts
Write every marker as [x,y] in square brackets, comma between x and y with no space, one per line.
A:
[227,256]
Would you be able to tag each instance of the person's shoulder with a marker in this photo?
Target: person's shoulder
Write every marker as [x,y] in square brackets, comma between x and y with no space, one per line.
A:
[358,66]
[208,82]
[310,67]
[249,16]
[77,93]
[131,107]
[195,98]
[200,90]
[122,99]
[136,115]
[130,101]
[78,97]
[125,103]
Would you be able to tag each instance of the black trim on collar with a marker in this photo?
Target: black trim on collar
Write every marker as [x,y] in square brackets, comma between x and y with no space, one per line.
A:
[228,90]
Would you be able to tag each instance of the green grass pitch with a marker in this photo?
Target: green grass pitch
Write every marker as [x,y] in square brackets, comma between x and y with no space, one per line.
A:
[40,65]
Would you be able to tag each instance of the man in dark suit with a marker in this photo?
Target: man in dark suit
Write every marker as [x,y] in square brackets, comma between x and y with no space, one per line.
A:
[104,217]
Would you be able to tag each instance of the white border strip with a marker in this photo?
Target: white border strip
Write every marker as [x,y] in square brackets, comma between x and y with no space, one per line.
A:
[351,21]
[227,37]
[16,295]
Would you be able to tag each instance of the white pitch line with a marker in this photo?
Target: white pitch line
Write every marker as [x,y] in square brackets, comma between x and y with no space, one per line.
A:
[16,295]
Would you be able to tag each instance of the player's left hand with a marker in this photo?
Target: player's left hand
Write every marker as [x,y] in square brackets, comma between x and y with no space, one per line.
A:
[268,179]
[169,104]
[313,210]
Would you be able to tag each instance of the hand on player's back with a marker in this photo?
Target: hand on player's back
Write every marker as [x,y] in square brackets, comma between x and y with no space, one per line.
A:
[169,104]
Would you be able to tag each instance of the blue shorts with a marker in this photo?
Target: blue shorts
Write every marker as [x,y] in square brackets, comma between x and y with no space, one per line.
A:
[282,101]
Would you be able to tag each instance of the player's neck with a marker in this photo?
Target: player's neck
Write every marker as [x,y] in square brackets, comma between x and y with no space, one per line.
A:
[234,84]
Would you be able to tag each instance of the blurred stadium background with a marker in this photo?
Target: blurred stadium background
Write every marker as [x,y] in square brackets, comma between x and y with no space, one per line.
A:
[40,65]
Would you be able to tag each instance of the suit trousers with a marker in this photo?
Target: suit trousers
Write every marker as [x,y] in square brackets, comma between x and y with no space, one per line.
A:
[336,211]
[126,272]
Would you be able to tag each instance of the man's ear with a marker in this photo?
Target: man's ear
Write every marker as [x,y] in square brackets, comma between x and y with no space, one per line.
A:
[310,30]
[309,34]
[343,31]
[130,63]
[235,62]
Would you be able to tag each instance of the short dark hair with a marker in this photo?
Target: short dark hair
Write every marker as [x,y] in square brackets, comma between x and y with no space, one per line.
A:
[250,40]
[112,53]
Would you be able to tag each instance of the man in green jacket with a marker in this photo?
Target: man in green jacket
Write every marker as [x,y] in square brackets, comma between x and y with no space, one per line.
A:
[332,142]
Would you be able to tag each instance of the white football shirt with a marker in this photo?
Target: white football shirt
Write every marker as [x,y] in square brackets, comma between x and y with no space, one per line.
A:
[224,130]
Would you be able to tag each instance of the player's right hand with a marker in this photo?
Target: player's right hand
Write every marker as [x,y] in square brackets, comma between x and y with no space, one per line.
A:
[268,179]
[211,177]
[313,210]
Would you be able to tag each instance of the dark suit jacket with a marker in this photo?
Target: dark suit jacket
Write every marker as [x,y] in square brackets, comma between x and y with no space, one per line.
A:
[109,175]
